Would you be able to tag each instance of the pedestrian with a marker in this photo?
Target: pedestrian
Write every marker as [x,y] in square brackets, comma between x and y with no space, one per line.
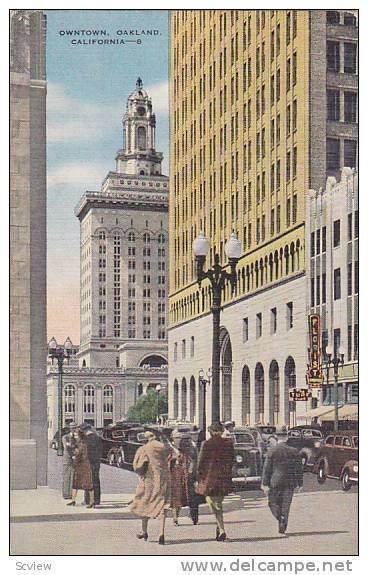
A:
[183,467]
[68,469]
[229,429]
[82,478]
[282,474]
[215,474]
[94,447]
[153,494]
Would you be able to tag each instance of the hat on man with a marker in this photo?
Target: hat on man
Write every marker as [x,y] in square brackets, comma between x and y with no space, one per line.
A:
[216,427]
[85,427]
[229,424]
[72,425]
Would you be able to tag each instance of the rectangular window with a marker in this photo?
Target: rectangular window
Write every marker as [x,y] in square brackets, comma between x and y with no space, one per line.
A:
[350,342]
[333,56]
[192,346]
[273,320]
[278,219]
[350,58]
[336,340]
[336,233]
[289,315]
[312,244]
[356,341]
[356,277]
[350,107]
[324,239]
[312,293]
[272,222]
[350,279]
[295,208]
[288,212]
[324,287]
[337,284]
[318,290]
[333,154]
[245,329]
[295,72]
[350,227]
[183,349]
[259,325]
[350,147]
[356,224]
[333,105]
[295,162]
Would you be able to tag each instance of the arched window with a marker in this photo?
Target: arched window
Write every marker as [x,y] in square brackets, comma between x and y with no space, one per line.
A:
[176,399]
[146,238]
[89,399]
[69,399]
[184,399]
[131,237]
[274,391]
[259,390]
[192,399]
[142,138]
[245,396]
[108,399]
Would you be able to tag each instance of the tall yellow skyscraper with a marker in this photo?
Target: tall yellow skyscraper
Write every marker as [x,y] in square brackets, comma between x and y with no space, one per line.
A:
[260,102]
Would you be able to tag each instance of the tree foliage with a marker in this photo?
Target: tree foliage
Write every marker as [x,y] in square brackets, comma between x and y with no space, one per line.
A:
[148,407]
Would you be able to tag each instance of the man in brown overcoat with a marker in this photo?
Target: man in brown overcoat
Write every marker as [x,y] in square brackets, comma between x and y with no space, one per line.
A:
[215,474]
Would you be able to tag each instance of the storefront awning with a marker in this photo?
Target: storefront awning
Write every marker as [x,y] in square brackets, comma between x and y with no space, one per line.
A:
[318,411]
[345,412]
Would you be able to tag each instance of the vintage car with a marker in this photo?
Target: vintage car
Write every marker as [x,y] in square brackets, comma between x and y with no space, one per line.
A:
[266,431]
[339,458]
[308,440]
[112,436]
[132,441]
[247,468]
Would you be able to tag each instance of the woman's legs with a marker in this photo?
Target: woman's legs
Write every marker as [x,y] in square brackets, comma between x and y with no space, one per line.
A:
[163,519]
[145,524]
[176,512]
[91,498]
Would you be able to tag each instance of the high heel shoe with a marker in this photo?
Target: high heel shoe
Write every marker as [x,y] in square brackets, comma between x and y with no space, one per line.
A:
[142,536]
[222,537]
[161,540]
[71,503]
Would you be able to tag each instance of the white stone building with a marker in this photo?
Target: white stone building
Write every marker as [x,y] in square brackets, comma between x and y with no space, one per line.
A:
[263,355]
[332,228]
[123,280]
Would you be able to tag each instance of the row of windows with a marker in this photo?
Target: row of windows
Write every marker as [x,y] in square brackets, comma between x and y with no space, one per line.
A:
[341,149]
[184,348]
[289,318]
[318,284]
[348,112]
[89,399]
[349,59]
[161,333]
[161,239]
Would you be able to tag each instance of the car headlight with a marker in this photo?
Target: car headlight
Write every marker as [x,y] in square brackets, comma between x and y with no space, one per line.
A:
[317,444]
[355,468]
[238,459]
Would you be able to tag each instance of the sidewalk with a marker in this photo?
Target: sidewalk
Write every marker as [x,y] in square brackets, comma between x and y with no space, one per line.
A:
[45,504]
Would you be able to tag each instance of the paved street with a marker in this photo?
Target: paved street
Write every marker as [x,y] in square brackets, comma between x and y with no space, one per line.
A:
[323,520]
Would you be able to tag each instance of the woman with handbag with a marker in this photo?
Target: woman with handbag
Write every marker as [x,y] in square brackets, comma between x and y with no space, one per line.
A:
[82,478]
[153,495]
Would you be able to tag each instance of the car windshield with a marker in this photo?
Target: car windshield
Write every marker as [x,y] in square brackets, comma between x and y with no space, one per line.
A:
[294,433]
[312,433]
[243,438]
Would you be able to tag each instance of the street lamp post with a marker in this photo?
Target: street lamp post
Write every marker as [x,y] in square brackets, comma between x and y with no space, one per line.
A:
[60,353]
[158,389]
[204,380]
[217,277]
[335,362]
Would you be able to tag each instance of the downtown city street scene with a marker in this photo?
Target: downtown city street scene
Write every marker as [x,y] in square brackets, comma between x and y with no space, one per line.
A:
[184,282]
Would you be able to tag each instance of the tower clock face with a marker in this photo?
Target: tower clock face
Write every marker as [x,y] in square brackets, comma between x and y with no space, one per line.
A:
[141,111]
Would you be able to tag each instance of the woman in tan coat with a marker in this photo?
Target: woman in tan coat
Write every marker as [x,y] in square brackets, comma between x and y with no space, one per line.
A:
[82,478]
[153,494]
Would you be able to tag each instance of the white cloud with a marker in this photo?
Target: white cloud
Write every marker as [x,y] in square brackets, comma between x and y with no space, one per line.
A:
[84,175]
[70,119]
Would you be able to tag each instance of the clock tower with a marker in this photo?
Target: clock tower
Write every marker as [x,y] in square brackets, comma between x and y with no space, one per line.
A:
[138,156]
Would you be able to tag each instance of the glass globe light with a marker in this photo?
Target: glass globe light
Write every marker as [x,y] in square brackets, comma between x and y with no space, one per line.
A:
[201,245]
[233,247]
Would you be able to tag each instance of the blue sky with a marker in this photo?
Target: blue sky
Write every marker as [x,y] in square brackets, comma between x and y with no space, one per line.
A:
[87,91]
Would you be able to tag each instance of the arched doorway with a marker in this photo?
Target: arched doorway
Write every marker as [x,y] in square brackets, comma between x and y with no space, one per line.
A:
[259,392]
[274,392]
[192,399]
[183,399]
[290,383]
[226,357]
[176,399]
[245,396]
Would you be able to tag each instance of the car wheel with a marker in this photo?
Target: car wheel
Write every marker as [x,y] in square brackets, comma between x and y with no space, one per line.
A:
[111,458]
[345,481]
[321,474]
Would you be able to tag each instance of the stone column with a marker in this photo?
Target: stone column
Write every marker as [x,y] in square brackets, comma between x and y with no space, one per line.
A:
[252,397]
[99,408]
[79,405]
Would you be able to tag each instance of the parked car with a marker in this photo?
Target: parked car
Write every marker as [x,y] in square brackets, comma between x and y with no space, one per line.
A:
[260,442]
[247,468]
[339,458]
[308,439]
[133,439]
[112,436]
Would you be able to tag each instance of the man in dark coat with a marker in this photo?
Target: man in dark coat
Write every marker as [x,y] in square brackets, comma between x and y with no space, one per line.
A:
[282,474]
[215,474]
[68,470]
[94,447]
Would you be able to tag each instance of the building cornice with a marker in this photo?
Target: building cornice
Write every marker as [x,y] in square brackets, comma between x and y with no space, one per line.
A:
[117,199]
